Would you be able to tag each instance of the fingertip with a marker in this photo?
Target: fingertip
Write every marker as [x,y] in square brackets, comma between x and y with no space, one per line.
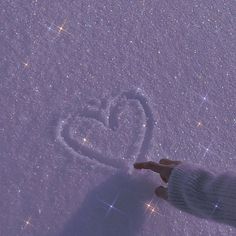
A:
[137,166]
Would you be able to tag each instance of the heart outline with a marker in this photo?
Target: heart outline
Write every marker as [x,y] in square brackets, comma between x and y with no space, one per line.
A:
[82,151]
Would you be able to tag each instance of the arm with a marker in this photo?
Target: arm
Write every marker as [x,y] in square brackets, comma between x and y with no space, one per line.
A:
[201,193]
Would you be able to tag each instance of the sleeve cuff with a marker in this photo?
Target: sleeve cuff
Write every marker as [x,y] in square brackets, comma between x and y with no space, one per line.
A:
[184,188]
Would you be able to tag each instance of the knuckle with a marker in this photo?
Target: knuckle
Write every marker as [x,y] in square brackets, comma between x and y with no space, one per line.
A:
[162,160]
[151,163]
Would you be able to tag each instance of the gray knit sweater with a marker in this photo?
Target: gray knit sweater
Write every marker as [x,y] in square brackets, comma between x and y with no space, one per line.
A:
[204,194]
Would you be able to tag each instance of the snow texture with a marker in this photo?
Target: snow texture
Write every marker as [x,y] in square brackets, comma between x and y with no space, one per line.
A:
[89,87]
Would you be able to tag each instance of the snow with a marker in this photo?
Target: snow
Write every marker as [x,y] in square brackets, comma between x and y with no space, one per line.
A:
[88,88]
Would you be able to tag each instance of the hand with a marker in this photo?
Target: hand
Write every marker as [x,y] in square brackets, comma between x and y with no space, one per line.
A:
[164,168]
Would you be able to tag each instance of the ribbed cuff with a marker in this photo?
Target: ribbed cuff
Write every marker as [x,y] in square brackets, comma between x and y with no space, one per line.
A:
[184,189]
[199,192]
[176,184]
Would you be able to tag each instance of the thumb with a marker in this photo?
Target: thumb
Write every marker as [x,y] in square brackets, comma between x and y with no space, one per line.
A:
[162,192]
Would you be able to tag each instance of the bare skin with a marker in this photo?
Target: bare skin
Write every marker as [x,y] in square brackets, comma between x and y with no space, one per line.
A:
[164,168]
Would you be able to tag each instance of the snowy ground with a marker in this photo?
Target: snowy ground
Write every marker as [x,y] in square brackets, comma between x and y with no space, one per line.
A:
[89,87]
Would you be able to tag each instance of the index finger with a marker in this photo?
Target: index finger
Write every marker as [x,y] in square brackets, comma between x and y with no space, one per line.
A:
[156,167]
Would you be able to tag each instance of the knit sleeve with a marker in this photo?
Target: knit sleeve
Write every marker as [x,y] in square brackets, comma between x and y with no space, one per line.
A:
[204,194]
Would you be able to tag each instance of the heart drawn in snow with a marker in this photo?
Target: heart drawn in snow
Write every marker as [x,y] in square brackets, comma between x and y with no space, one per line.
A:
[111,133]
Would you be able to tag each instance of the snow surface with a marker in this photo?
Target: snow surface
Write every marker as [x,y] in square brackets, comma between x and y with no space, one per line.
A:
[89,87]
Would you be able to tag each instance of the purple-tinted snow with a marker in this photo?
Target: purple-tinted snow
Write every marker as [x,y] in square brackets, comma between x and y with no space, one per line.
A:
[89,87]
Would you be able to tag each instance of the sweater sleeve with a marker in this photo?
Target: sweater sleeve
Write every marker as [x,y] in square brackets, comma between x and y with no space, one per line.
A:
[204,194]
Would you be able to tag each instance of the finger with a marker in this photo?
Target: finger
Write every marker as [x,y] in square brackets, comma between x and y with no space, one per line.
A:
[162,192]
[168,162]
[165,161]
[164,179]
[150,165]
